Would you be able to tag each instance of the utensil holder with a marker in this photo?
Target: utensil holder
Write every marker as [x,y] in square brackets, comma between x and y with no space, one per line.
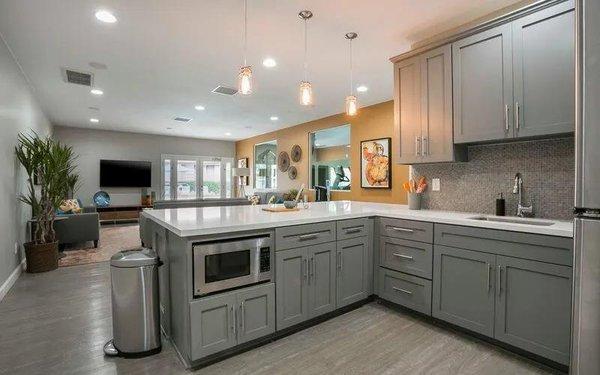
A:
[414,201]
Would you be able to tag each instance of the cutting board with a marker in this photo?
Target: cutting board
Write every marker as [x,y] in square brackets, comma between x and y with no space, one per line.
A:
[280,209]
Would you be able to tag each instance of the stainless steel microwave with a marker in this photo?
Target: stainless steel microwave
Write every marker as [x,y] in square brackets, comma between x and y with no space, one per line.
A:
[228,264]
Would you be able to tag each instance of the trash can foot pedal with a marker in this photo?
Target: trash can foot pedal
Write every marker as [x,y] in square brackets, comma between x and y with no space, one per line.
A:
[110,350]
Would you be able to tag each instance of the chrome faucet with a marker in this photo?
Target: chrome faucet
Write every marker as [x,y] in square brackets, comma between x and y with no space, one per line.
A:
[522,210]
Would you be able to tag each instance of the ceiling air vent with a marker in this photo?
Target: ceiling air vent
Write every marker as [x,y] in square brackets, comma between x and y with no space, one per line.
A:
[182,119]
[78,78]
[224,90]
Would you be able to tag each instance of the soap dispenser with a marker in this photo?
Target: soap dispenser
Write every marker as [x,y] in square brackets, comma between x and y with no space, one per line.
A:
[500,206]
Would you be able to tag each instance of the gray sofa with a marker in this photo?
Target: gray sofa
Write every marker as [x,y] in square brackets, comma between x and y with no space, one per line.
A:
[81,227]
[146,224]
[266,195]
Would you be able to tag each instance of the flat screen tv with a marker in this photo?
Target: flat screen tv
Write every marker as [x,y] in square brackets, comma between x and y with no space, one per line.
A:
[125,173]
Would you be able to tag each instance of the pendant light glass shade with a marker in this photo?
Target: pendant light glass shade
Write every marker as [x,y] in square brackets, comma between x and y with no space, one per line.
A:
[245,80]
[306,97]
[351,105]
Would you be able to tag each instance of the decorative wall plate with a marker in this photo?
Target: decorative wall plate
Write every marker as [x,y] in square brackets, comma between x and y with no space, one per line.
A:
[101,199]
[296,153]
[283,161]
[292,173]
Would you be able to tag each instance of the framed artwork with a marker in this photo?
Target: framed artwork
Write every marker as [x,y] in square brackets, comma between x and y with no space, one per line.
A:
[243,163]
[376,163]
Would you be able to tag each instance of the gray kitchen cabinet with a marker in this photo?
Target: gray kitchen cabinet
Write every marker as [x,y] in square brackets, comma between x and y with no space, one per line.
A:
[424,109]
[256,317]
[321,279]
[411,257]
[463,291]
[483,86]
[406,290]
[353,264]
[291,275]
[544,71]
[533,307]
[213,324]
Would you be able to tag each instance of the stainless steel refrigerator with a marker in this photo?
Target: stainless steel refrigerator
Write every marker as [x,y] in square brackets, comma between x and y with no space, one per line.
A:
[585,343]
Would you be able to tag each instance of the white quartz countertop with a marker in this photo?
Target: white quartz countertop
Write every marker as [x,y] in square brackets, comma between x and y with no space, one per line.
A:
[186,222]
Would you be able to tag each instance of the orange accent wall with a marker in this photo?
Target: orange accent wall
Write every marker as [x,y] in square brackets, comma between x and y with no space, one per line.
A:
[376,121]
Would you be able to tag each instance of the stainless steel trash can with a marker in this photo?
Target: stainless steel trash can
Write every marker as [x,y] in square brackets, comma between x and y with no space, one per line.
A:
[135,304]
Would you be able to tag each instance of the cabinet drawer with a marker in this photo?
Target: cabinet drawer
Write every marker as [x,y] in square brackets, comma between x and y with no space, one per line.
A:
[352,228]
[304,235]
[412,257]
[407,229]
[550,249]
[406,290]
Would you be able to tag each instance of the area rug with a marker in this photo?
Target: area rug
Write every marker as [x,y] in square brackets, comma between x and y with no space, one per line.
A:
[112,240]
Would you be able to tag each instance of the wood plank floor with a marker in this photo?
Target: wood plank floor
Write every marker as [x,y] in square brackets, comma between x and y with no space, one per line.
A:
[57,323]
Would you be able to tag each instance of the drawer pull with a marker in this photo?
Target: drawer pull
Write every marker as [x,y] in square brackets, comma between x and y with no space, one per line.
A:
[405,230]
[353,230]
[403,256]
[306,237]
[402,290]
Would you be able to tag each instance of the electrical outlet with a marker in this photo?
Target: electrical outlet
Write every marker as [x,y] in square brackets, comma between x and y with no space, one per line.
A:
[16,247]
[435,184]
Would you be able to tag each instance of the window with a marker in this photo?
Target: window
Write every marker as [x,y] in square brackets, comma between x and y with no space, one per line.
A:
[265,165]
[330,158]
[194,177]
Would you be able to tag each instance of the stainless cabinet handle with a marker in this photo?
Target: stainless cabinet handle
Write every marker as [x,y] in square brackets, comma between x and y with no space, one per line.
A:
[310,236]
[304,268]
[517,115]
[417,146]
[242,318]
[313,268]
[506,118]
[499,285]
[338,261]
[403,256]
[402,290]
[489,271]
[234,321]
[425,146]
[353,230]
[405,230]
[341,261]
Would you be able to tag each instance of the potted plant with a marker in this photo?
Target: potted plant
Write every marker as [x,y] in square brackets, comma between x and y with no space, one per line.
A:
[50,165]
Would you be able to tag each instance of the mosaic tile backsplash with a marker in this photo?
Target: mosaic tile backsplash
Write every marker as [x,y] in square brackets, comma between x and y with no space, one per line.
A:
[547,168]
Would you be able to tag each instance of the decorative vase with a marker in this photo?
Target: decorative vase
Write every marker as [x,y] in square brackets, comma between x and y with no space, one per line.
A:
[290,204]
[41,257]
[414,201]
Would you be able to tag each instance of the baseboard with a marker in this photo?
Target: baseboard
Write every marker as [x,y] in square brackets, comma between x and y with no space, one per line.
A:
[11,279]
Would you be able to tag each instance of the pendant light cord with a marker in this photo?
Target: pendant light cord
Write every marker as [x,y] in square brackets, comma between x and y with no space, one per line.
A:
[245,31]
[351,70]
[305,49]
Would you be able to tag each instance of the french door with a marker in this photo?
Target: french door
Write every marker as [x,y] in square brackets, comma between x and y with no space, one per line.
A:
[195,177]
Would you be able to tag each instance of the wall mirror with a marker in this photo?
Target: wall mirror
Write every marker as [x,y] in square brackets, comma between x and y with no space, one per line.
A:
[329,158]
[265,165]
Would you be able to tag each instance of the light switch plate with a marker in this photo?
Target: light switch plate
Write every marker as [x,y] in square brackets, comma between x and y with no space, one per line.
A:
[16,247]
[435,184]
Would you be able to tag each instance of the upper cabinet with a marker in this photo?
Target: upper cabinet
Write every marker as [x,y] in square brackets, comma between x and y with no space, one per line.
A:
[516,80]
[509,81]
[423,108]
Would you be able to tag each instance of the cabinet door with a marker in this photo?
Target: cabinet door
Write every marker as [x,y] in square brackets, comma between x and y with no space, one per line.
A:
[256,316]
[291,273]
[436,106]
[482,75]
[352,270]
[544,70]
[321,279]
[463,291]
[213,325]
[533,307]
[407,111]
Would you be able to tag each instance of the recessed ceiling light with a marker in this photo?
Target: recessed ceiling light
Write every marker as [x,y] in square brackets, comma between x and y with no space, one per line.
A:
[269,62]
[96,92]
[274,118]
[362,88]
[199,108]
[94,120]
[228,134]
[105,16]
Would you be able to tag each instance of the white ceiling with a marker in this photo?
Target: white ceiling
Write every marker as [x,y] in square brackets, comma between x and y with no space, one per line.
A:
[165,56]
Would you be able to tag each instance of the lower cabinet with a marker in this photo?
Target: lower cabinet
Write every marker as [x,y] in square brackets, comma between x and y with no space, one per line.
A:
[353,274]
[226,320]
[406,290]
[521,302]
[305,279]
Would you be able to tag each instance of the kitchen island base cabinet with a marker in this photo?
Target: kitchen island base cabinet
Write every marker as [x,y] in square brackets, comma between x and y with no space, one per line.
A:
[224,321]
[463,293]
[353,270]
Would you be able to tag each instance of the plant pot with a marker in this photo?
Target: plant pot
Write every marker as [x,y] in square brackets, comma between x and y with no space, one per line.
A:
[41,257]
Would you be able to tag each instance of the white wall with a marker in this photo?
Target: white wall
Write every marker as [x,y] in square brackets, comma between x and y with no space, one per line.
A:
[19,112]
[93,145]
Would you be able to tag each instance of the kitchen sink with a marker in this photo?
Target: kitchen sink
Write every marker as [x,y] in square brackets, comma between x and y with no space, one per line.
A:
[514,220]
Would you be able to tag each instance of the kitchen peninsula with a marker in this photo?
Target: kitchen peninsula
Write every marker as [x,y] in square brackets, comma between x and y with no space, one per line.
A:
[236,277]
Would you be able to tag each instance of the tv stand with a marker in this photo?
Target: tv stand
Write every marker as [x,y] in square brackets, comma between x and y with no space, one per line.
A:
[120,214]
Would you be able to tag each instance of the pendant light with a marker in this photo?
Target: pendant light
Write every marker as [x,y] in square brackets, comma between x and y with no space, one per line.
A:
[245,76]
[306,96]
[351,103]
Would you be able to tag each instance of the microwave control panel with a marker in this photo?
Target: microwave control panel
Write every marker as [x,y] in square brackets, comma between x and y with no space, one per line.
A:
[265,259]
